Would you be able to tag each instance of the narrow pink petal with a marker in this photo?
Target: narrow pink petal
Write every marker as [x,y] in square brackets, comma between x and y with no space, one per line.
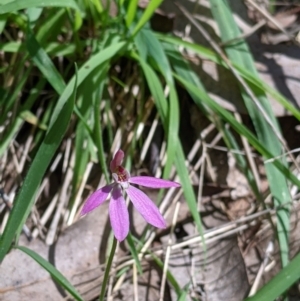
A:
[153,182]
[146,207]
[117,160]
[96,199]
[118,213]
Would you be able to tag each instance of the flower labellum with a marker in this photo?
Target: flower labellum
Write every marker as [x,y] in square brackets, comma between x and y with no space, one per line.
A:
[118,212]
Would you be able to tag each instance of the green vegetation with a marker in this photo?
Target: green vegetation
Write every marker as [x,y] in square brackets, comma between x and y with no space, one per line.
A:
[79,77]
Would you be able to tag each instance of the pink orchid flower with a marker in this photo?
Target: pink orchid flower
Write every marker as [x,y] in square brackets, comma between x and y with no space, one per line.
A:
[118,212]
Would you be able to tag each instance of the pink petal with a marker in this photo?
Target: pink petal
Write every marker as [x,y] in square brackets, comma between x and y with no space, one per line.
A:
[117,160]
[96,199]
[146,207]
[153,182]
[118,213]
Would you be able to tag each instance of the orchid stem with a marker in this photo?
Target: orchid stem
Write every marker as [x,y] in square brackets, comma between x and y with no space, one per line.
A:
[107,270]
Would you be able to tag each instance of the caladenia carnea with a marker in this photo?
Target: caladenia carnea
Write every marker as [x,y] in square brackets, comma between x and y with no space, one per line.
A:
[118,211]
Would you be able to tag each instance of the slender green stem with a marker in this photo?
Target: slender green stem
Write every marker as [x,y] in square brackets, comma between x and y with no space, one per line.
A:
[98,129]
[107,270]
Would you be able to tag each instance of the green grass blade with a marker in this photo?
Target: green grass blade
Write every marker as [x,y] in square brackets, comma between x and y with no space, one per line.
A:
[240,53]
[33,15]
[262,86]
[89,116]
[84,132]
[55,274]
[155,88]
[162,107]
[82,145]
[131,11]
[15,126]
[183,69]
[86,69]
[173,128]
[156,53]
[184,293]
[188,190]
[259,85]
[148,13]
[44,63]
[170,276]
[98,134]
[98,6]
[134,253]
[158,58]
[280,283]
[56,128]
[53,48]
[21,4]
[239,128]
[54,23]
[25,198]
